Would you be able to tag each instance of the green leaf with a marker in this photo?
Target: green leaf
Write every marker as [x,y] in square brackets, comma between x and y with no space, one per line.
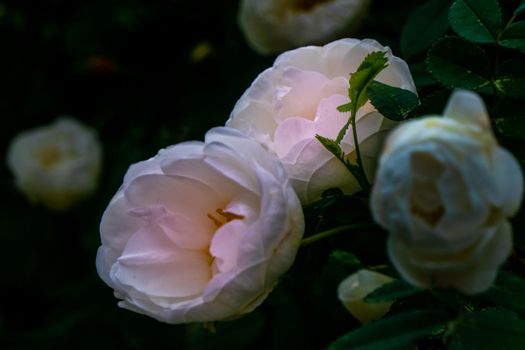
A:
[509,289]
[457,63]
[392,102]
[421,77]
[394,290]
[330,145]
[519,10]
[511,78]
[427,22]
[476,20]
[513,36]
[393,332]
[345,108]
[487,329]
[345,259]
[371,66]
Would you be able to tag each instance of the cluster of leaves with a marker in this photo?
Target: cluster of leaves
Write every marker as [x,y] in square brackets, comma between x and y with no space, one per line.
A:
[464,44]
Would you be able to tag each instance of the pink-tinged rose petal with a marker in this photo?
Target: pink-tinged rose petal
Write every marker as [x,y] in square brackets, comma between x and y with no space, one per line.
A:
[153,265]
[309,83]
[206,235]
[290,132]
[328,120]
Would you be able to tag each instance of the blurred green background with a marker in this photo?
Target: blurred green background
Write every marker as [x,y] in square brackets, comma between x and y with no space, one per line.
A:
[125,68]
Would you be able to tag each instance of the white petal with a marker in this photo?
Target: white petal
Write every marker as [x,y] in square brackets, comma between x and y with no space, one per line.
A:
[305,92]
[509,180]
[117,226]
[183,195]
[467,107]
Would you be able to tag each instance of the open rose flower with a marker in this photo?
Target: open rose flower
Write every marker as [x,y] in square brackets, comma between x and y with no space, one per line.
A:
[272,26]
[56,165]
[444,190]
[297,98]
[353,290]
[200,232]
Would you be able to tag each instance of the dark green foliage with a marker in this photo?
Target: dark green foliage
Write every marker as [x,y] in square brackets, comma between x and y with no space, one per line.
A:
[511,78]
[512,128]
[395,332]
[476,20]
[520,10]
[514,36]
[394,290]
[487,329]
[426,24]
[457,63]
[392,102]
[508,291]
[345,258]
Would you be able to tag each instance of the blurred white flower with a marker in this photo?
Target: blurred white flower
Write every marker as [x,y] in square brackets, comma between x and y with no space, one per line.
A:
[297,98]
[200,232]
[273,26]
[56,165]
[353,289]
[444,190]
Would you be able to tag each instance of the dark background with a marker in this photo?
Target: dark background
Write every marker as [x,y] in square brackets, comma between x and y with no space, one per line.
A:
[124,68]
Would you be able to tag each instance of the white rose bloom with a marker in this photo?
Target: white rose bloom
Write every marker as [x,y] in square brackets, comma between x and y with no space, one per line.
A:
[200,232]
[297,98]
[353,289]
[56,165]
[444,190]
[272,26]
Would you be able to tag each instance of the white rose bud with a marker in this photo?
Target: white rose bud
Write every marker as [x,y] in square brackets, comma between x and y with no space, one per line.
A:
[444,190]
[202,231]
[56,165]
[272,26]
[353,289]
[297,98]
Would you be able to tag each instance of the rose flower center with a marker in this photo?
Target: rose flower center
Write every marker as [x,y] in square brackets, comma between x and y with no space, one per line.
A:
[223,217]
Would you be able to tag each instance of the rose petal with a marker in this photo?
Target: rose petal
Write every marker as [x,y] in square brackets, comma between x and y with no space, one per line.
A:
[467,107]
[152,264]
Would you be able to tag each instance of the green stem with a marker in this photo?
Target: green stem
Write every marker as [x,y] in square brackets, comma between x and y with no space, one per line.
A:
[332,232]
[365,181]
[357,171]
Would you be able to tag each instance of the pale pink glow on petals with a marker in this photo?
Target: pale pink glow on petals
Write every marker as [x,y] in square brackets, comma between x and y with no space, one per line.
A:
[299,96]
[196,233]
[225,245]
[152,264]
[300,128]
[329,120]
